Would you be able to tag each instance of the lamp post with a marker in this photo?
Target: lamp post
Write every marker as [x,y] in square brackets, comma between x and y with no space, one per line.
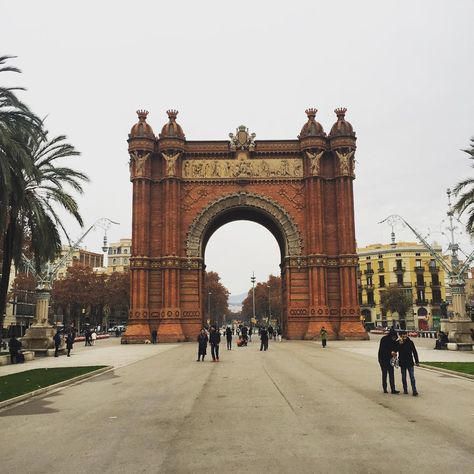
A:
[209,306]
[252,279]
[269,304]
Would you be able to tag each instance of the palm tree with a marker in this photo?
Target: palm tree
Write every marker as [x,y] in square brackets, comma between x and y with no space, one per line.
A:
[466,200]
[34,195]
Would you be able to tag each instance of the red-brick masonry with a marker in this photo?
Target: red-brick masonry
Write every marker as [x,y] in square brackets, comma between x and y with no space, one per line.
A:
[310,213]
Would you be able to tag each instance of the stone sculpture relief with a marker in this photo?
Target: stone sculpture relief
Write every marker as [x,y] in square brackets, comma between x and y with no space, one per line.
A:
[140,161]
[315,160]
[250,168]
[346,165]
[170,163]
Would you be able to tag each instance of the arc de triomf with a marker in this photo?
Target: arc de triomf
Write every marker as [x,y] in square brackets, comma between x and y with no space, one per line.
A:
[300,190]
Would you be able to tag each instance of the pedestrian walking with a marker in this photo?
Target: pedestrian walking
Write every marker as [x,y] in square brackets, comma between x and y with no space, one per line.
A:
[228,336]
[263,339]
[202,340]
[70,341]
[324,336]
[250,333]
[214,340]
[154,336]
[14,346]
[388,347]
[87,336]
[406,353]
[93,337]
[279,333]
[57,342]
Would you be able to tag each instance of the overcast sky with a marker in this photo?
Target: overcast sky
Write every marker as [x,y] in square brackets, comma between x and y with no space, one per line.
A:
[404,70]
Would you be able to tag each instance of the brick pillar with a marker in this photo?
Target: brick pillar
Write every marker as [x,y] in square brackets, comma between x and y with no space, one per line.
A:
[169,326]
[141,147]
[350,325]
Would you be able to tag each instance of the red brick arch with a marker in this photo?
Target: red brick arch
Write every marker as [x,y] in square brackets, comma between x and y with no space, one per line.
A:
[301,190]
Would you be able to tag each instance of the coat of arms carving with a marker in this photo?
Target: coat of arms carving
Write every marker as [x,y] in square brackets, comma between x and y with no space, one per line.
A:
[242,140]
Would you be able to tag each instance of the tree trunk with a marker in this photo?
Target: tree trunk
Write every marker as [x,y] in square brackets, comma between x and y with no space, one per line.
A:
[8,243]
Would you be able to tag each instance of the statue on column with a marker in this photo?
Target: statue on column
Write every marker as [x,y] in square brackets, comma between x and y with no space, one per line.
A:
[170,163]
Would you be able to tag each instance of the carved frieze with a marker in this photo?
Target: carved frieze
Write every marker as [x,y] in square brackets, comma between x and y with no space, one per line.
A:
[243,168]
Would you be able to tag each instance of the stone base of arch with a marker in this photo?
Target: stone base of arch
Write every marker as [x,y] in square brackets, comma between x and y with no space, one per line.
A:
[138,332]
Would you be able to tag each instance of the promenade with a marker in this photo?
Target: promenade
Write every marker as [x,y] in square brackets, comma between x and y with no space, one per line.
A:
[296,408]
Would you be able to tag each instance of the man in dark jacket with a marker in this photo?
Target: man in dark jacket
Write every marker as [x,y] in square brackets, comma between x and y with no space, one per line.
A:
[387,349]
[214,340]
[406,354]
[202,344]
[57,342]
[228,335]
[14,346]
[263,339]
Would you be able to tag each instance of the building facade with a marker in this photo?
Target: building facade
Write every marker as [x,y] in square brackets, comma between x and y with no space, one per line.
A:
[405,265]
[118,256]
[79,257]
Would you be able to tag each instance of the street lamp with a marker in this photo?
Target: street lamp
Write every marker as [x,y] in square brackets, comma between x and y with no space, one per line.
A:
[269,303]
[209,305]
[252,279]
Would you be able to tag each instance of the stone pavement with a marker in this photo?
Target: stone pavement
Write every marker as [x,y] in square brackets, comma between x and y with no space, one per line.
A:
[296,408]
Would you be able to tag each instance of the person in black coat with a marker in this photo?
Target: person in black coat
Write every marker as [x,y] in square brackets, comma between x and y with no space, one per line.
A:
[228,336]
[202,344]
[70,341]
[57,342]
[14,347]
[154,336]
[406,354]
[387,349]
[214,339]
[263,339]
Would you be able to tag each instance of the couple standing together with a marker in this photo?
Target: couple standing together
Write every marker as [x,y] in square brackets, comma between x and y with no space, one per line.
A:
[214,339]
[390,347]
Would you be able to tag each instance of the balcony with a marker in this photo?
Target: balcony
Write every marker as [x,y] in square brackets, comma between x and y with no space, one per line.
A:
[381,270]
[435,285]
[400,285]
[434,269]
[398,269]
[420,284]
[419,269]
[369,286]
[369,272]
[421,302]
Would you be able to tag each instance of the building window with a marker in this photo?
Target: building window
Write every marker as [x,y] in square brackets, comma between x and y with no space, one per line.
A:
[367,258]
[369,281]
[418,263]
[381,265]
[125,250]
[400,279]
[370,297]
[432,263]
[399,264]
[417,254]
[381,281]
[380,256]
[398,255]
[369,266]
[114,261]
[435,279]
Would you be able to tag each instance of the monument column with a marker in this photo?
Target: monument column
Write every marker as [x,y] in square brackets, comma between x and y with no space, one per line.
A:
[141,147]
[313,143]
[342,142]
[171,148]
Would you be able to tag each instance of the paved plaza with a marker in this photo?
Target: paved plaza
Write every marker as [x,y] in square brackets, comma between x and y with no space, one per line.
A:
[296,408]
